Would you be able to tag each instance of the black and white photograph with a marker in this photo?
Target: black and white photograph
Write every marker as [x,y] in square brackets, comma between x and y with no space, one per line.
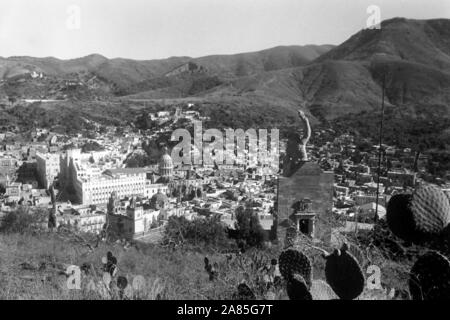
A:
[247,152]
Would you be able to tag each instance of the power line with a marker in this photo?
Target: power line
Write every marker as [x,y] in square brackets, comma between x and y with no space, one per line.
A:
[379,146]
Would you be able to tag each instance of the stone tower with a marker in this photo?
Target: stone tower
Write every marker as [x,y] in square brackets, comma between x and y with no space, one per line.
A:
[305,191]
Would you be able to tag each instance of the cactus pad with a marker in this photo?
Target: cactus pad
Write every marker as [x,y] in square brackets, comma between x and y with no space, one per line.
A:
[400,218]
[297,289]
[431,209]
[430,277]
[344,275]
[292,262]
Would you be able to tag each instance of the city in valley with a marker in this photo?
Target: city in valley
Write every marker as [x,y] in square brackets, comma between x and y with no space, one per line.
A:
[296,172]
[96,183]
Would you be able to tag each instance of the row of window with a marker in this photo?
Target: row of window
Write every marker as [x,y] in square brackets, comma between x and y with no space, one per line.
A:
[130,185]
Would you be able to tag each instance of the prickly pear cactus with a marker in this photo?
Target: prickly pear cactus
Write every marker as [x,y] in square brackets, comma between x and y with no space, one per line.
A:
[343,274]
[430,277]
[292,262]
[431,209]
[400,218]
[297,288]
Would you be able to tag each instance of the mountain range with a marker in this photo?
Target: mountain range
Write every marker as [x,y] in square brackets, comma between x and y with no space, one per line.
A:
[411,58]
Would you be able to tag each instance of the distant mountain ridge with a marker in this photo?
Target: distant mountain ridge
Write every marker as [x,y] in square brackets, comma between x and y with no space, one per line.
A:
[413,56]
[126,72]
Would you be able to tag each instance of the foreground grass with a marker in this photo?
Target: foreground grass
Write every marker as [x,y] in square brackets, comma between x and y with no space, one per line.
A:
[168,274]
[32,267]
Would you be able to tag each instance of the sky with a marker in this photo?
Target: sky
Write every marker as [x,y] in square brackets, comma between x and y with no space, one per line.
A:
[157,29]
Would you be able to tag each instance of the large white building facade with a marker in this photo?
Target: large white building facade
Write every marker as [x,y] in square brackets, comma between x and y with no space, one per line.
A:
[97,190]
[90,184]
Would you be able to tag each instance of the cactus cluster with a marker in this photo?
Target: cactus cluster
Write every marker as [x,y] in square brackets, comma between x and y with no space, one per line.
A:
[112,285]
[343,274]
[419,216]
[430,277]
[424,218]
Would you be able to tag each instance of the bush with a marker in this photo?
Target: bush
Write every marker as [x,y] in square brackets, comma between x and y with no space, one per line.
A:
[249,231]
[91,146]
[207,231]
[23,220]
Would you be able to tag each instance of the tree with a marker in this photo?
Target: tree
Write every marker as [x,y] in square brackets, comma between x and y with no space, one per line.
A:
[199,231]
[91,146]
[248,227]
[144,122]
[24,220]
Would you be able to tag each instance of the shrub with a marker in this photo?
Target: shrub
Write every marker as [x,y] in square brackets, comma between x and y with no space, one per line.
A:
[207,231]
[23,220]
[249,231]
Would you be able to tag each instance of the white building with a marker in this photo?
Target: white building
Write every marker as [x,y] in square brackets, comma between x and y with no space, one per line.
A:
[91,184]
[97,190]
[82,218]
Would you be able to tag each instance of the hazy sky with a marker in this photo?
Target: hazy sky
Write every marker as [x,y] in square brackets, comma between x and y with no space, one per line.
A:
[152,29]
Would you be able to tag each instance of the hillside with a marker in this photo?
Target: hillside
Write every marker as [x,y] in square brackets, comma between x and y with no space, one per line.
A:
[412,55]
[268,86]
[124,76]
[424,42]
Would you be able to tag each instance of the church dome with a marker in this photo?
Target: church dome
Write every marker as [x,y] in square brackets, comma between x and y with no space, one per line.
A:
[165,164]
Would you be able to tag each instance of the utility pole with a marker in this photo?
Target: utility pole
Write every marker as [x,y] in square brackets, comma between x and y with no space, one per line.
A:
[379,146]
